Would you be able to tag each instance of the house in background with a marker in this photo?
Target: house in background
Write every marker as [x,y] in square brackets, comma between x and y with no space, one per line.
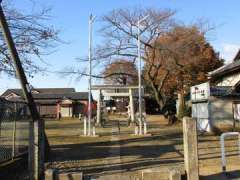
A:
[53,102]
[216,103]
[227,75]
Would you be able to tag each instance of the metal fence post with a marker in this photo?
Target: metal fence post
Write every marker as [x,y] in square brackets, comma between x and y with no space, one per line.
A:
[14,130]
[222,138]
[0,127]
[1,111]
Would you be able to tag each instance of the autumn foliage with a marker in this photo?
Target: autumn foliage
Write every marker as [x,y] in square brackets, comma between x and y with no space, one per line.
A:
[121,72]
[179,59]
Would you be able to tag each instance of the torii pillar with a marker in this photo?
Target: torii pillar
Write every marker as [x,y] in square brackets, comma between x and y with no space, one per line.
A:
[99,106]
[131,104]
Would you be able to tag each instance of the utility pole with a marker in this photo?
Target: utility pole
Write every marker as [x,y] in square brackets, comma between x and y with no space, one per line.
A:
[139,75]
[91,20]
[36,135]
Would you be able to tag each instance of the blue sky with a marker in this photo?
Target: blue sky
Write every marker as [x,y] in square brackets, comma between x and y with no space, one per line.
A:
[71,17]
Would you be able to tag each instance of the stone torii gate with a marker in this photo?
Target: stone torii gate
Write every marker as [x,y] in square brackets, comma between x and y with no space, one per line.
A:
[127,91]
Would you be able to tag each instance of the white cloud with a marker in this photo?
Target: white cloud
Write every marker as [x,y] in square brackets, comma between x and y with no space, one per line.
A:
[228,51]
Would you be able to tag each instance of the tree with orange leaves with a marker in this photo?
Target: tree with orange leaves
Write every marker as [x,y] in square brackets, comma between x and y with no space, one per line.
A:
[120,72]
[180,58]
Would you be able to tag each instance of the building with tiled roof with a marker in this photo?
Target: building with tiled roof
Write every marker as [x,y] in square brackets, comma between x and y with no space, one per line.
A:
[216,103]
[53,102]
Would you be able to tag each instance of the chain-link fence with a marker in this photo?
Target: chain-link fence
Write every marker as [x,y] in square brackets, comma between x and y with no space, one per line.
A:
[14,129]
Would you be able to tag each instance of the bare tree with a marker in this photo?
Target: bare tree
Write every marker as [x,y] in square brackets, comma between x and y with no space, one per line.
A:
[120,37]
[32,35]
[173,53]
[119,33]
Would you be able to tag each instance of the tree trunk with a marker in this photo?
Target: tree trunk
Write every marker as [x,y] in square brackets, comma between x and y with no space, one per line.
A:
[158,96]
[181,106]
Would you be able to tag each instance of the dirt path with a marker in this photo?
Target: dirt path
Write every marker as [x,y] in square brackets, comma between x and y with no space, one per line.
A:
[114,153]
[114,150]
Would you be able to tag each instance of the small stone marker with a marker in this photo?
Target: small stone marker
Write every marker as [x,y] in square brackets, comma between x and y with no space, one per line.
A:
[190,148]
[174,175]
[50,174]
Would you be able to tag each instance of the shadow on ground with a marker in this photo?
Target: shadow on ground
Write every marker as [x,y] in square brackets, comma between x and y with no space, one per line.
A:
[114,153]
[221,176]
[133,154]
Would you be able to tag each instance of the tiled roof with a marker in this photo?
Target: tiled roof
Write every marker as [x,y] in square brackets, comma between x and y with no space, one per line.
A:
[235,65]
[72,96]
[223,91]
[228,68]
[41,90]
[237,56]
[50,94]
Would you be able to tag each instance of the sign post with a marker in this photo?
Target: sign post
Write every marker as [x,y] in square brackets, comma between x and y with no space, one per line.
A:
[200,106]
[200,92]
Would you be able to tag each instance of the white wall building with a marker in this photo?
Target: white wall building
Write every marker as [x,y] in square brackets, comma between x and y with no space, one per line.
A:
[216,104]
